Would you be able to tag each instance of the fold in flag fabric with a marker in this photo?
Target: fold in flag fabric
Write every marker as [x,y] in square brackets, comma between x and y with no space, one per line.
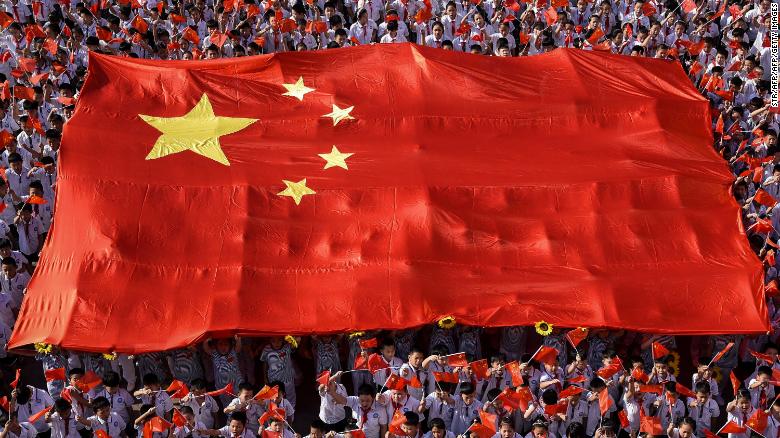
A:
[16,379]
[572,390]
[548,355]
[395,382]
[89,381]
[267,393]
[735,383]
[446,377]
[288,212]
[457,360]
[768,358]
[480,369]
[376,362]
[684,391]
[39,414]
[577,379]
[323,378]
[576,336]
[732,427]
[650,425]
[273,412]
[5,404]
[414,382]
[623,417]
[608,371]
[640,375]
[368,343]
[513,368]
[175,386]
[488,420]
[758,421]
[228,389]
[178,418]
[396,422]
[481,430]
[659,350]
[655,389]
[55,374]
[357,433]
[605,402]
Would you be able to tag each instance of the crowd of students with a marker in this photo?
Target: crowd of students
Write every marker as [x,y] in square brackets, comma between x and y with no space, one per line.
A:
[412,382]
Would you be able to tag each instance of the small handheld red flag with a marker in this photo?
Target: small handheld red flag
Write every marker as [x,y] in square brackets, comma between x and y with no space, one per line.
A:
[267,393]
[174,386]
[37,416]
[55,374]
[758,421]
[763,198]
[683,391]
[488,420]
[576,336]
[548,355]
[89,380]
[623,417]
[376,363]
[761,356]
[732,427]
[457,360]
[395,382]
[16,380]
[368,343]
[659,351]
[178,418]
[446,377]
[734,382]
[605,402]
[324,378]
[480,369]
[513,368]
[650,425]
[5,404]
[568,392]
[228,389]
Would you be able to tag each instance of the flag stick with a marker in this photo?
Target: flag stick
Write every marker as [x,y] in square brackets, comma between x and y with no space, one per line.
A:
[534,355]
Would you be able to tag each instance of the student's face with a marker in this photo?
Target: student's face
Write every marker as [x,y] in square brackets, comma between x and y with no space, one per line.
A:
[686,431]
[74,379]
[276,343]
[5,252]
[661,368]
[236,427]
[438,432]
[701,397]
[315,433]
[329,11]
[539,432]
[223,346]
[388,351]
[190,418]
[9,270]
[363,19]
[507,431]
[398,396]
[452,11]
[244,394]
[437,32]
[744,404]
[409,430]
[103,413]
[467,398]
[415,359]
[366,401]
[478,20]
[16,166]
[276,426]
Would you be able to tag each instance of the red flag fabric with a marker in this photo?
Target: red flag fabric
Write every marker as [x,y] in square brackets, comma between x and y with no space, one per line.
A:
[447,178]
[368,343]
[5,404]
[457,360]
[24,93]
[513,368]
[768,358]
[181,392]
[446,377]
[396,422]
[376,363]
[228,389]
[65,394]
[659,350]
[178,418]
[732,427]
[572,390]
[655,389]
[576,379]
[37,416]
[16,380]
[159,425]
[395,382]
[684,391]
[324,378]
[482,431]
[608,371]
[576,336]
[488,420]
[100,433]
[414,382]
[734,382]
[546,355]
[267,393]
[89,380]
[758,421]
[175,386]
[650,425]
[55,374]
[623,417]
[605,402]
[480,368]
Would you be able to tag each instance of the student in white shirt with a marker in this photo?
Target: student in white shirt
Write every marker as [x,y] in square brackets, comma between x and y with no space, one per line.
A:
[14,429]
[191,427]
[465,408]
[13,282]
[31,232]
[63,422]
[739,411]
[151,394]
[203,405]
[245,403]
[685,429]
[236,428]
[118,398]
[104,420]
[332,414]
[761,392]
[438,430]
[703,408]
[371,416]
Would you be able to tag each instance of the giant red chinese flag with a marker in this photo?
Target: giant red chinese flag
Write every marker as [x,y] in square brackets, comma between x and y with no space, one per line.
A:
[388,186]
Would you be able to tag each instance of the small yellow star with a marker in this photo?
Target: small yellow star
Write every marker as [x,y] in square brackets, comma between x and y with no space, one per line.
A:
[336,158]
[297,90]
[197,131]
[296,190]
[339,114]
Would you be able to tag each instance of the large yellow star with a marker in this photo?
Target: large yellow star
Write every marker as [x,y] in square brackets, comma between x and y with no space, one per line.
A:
[336,158]
[297,90]
[296,190]
[197,131]
[339,114]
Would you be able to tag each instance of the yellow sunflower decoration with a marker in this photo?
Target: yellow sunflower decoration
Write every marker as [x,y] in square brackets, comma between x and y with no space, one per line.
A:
[674,369]
[109,356]
[356,335]
[717,374]
[291,340]
[543,328]
[42,347]
[675,359]
[447,322]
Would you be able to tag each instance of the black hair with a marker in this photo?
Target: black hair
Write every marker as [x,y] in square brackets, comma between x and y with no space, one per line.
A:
[238,416]
[98,403]
[467,388]
[151,379]
[111,379]
[437,423]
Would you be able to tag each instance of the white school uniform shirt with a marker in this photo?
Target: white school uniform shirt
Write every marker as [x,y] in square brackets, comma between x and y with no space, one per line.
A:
[438,408]
[447,434]
[330,411]
[58,425]
[388,39]
[407,371]
[186,430]
[161,400]
[29,235]
[714,390]
[740,418]
[755,393]
[15,287]
[492,382]
[10,212]
[373,7]
[634,408]
[39,400]
[19,183]
[410,404]
[363,33]
[253,412]
[510,39]
[204,408]
[225,432]
[47,180]
[380,377]
[666,412]
[119,401]
[704,415]
[463,415]
[376,417]
[28,431]
[576,413]
[43,212]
